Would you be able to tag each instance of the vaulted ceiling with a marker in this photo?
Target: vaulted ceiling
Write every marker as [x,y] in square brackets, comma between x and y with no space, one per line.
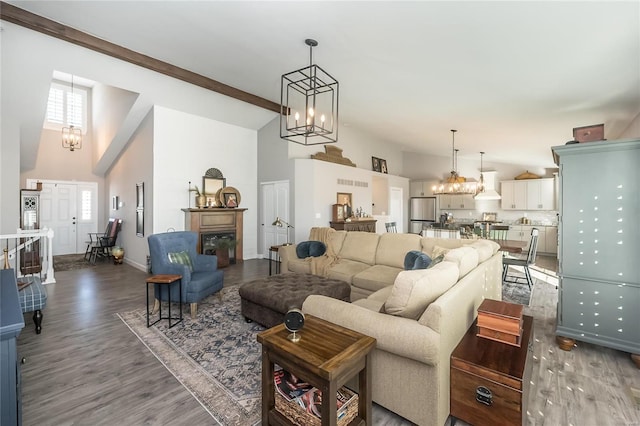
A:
[513,77]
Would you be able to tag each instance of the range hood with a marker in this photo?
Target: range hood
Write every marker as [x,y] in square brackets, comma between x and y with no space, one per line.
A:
[489,192]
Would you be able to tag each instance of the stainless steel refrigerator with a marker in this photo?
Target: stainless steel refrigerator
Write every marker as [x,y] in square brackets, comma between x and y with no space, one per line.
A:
[422,213]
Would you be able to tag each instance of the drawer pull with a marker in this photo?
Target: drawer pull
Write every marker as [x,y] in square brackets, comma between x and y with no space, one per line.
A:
[483,395]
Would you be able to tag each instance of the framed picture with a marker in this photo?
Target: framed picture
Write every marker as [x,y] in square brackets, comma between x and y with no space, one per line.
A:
[230,200]
[375,164]
[140,195]
[383,166]
[338,213]
[344,198]
[211,185]
[115,202]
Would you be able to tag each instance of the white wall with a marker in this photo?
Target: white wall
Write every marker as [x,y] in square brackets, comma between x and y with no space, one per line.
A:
[633,131]
[185,146]
[134,165]
[317,187]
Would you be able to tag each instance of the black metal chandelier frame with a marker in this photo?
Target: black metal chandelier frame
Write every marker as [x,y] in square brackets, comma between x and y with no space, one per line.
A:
[309,104]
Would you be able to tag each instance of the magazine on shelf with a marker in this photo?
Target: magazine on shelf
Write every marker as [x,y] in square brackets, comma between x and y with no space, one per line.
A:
[288,385]
[311,401]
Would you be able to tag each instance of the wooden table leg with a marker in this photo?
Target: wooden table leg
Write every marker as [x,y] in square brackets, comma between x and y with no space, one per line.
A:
[364,399]
[268,396]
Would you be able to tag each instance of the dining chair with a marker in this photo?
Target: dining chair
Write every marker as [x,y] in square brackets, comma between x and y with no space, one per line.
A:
[391,226]
[498,232]
[524,262]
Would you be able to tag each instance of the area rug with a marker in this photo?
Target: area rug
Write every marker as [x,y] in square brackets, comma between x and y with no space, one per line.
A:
[70,262]
[516,292]
[216,356]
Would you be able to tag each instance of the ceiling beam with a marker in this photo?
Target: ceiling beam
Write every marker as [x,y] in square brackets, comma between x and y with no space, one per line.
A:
[55,29]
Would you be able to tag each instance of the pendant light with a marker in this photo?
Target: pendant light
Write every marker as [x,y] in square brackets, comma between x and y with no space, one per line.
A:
[455,184]
[71,136]
[309,104]
[480,185]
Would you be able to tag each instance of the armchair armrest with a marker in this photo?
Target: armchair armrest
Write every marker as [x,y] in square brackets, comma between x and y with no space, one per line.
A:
[205,262]
[401,336]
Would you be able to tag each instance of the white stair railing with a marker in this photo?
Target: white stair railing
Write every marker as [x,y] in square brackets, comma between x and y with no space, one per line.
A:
[13,246]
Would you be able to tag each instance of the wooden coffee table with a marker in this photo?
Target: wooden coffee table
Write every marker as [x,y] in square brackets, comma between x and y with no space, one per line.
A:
[326,356]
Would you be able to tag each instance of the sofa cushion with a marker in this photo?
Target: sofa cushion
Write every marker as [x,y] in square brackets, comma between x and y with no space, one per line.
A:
[485,249]
[439,251]
[181,257]
[392,248]
[416,259]
[361,247]
[413,291]
[346,269]
[435,261]
[376,277]
[466,258]
[300,266]
[449,243]
[336,240]
[310,248]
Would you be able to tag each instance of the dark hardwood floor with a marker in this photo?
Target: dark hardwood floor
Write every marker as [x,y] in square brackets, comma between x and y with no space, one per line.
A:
[88,368]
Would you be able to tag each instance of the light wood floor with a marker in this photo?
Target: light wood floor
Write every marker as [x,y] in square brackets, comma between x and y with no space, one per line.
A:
[87,368]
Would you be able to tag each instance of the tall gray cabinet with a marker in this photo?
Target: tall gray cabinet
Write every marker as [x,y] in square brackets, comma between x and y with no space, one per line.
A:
[599,244]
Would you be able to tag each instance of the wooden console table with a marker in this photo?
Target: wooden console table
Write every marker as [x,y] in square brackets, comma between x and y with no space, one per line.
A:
[364,225]
[216,221]
[326,356]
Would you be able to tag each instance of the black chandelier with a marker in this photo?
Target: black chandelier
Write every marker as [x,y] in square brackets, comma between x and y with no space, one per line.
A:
[309,104]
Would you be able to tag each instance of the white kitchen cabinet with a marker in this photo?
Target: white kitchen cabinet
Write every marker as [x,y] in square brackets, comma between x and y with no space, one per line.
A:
[514,195]
[456,202]
[530,194]
[419,188]
[551,240]
[541,194]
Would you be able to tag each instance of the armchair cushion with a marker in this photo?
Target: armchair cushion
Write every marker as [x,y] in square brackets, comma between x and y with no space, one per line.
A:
[181,257]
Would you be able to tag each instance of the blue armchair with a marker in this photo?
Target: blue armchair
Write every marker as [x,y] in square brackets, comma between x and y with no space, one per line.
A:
[204,280]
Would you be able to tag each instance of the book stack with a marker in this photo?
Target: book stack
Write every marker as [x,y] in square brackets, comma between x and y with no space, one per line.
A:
[500,321]
[301,403]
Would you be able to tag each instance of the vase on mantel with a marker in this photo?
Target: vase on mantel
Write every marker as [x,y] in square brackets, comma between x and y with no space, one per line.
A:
[201,201]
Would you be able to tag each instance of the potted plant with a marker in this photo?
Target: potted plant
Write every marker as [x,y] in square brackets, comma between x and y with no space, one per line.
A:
[222,246]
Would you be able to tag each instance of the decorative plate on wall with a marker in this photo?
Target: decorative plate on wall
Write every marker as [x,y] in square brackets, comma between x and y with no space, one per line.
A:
[228,197]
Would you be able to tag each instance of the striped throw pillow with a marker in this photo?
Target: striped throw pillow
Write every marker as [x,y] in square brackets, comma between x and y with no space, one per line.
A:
[181,257]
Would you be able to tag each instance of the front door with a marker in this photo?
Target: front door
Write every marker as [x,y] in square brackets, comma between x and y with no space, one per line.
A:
[70,209]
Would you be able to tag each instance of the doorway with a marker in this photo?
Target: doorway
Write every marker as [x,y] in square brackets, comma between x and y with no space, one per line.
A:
[396,212]
[275,204]
[70,209]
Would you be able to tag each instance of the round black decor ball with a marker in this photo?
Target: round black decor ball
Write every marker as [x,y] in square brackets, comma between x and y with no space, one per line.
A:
[294,320]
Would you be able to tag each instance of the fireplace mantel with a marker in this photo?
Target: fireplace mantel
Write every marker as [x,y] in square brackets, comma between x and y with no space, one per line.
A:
[205,221]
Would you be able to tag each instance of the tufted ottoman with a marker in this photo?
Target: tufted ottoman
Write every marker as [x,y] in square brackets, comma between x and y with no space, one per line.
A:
[266,300]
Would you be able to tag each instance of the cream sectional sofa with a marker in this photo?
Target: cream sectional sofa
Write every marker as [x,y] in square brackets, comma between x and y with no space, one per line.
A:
[417,323]
[367,261]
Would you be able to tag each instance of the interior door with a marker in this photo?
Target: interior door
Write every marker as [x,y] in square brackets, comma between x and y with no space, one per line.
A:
[275,204]
[70,209]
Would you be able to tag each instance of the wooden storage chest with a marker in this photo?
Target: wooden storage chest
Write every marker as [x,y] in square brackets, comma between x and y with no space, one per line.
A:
[490,380]
[501,321]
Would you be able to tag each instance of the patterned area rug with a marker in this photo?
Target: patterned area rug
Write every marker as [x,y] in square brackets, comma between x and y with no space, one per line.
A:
[516,292]
[216,357]
[70,262]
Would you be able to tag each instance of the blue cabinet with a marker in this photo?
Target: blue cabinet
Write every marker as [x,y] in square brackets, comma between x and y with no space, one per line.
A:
[11,324]
[599,236]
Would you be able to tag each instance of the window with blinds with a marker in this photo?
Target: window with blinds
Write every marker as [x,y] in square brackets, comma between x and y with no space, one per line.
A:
[66,108]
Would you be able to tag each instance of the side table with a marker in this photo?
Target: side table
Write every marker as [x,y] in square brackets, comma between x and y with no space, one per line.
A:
[276,259]
[167,280]
[490,379]
[326,356]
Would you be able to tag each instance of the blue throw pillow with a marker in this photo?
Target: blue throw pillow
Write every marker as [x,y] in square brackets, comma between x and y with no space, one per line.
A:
[310,248]
[416,260]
